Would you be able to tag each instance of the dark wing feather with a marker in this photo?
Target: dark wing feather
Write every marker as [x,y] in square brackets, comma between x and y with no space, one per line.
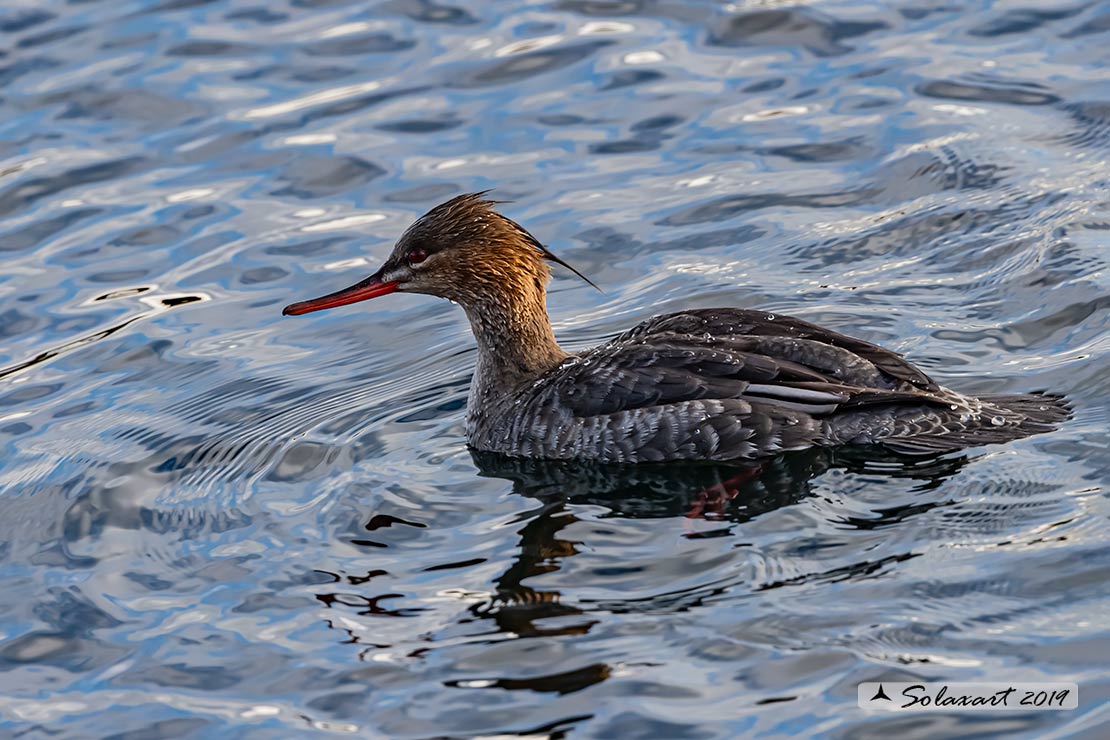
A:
[730,353]
[725,384]
[628,376]
[736,323]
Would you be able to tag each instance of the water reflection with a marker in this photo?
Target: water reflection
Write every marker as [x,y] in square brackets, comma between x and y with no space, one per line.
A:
[692,495]
[733,492]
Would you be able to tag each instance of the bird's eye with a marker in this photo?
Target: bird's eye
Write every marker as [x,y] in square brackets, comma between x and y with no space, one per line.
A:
[417,256]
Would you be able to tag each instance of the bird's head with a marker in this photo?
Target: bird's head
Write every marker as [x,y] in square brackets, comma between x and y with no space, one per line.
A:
[462,250]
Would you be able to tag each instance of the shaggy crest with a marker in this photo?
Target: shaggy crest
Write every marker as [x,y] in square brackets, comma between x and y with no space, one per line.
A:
[471,219]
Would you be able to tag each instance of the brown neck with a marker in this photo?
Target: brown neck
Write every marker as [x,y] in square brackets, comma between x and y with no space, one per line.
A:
[514,336]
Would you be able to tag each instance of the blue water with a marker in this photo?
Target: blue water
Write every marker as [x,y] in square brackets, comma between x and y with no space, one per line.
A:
[217,522]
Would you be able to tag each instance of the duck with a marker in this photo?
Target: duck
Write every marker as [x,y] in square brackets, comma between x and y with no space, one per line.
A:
[703,384]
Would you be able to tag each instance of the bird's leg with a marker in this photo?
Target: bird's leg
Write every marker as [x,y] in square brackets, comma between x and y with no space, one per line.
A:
[713,499]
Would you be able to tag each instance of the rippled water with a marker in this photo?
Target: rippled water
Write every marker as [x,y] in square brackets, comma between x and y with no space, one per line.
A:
[217,522]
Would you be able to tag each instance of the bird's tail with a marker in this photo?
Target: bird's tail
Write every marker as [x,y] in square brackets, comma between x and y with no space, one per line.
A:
[997,418]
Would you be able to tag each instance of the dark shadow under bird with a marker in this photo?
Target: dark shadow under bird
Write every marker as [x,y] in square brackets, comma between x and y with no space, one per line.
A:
[729,493]
[736,491]
[714,384]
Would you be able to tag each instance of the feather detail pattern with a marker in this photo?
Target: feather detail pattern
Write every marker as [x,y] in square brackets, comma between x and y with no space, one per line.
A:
[725,384]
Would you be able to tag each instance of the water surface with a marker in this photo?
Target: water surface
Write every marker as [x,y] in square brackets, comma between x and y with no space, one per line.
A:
[218,522]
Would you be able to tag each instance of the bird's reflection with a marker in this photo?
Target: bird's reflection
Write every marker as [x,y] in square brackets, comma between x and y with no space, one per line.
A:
[724,495]
[736,492]
[732,493]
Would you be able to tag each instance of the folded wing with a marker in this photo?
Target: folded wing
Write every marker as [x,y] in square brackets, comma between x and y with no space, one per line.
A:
[722,384]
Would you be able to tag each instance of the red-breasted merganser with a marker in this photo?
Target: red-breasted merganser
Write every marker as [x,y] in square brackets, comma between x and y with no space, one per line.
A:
[705,384]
